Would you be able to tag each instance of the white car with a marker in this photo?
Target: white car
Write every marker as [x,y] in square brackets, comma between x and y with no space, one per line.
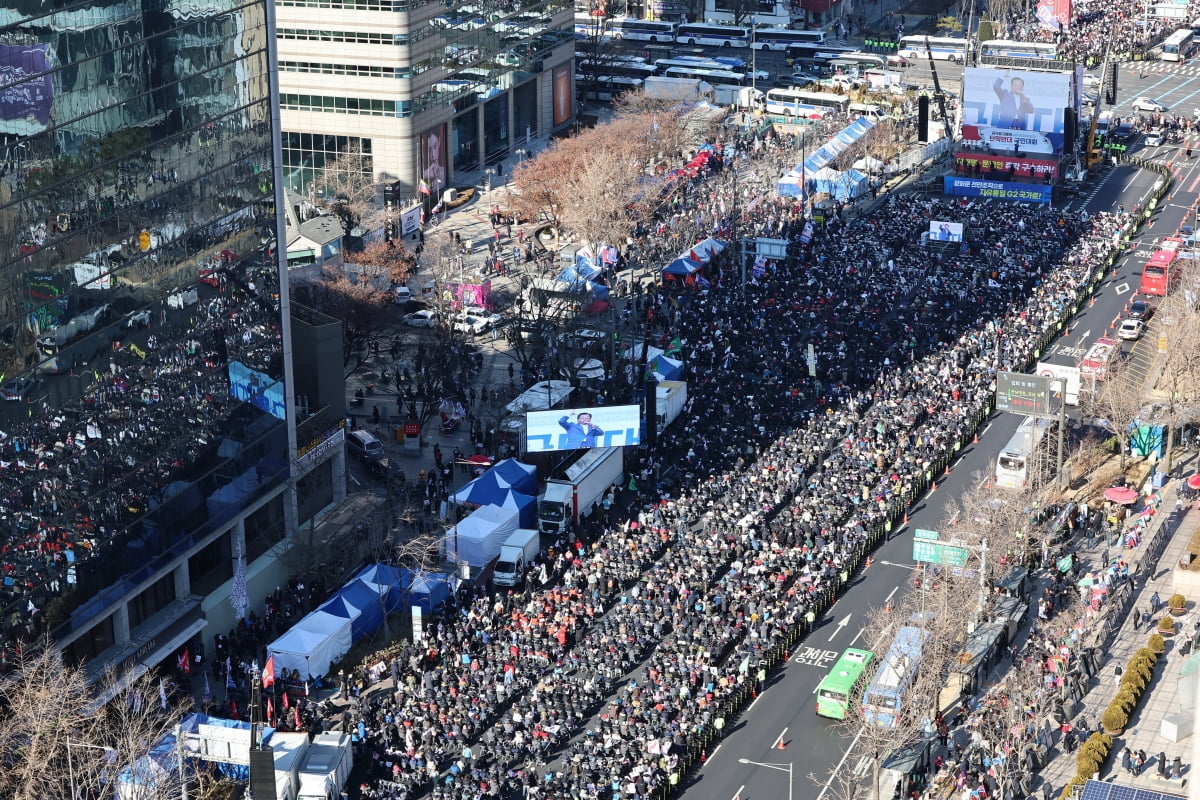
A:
[1154,137]
[1131,329]
[420,319]
[1149,104]
[492,319]
[464,323]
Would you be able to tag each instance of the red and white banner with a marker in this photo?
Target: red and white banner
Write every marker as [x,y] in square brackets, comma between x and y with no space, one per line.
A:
[1054,15]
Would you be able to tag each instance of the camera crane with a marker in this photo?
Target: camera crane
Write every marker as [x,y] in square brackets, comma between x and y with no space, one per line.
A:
[937,88]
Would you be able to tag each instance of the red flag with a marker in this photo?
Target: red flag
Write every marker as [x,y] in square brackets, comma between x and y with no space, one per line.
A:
[233,712]
[268,676]
[185,662]
[270,711]
[285,698]
[693,256]
[296,717]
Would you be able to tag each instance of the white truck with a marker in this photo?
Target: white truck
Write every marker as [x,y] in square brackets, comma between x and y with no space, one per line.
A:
[327,767]
[739,96]
[290,751]
[542,396]
[670,400]
[565,500]
[691,90]
[476,540]
[516,554]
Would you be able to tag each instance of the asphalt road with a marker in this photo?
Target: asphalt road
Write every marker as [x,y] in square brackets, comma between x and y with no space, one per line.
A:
[813,746]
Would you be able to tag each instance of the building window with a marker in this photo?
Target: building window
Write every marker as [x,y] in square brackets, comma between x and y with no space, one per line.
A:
[89,646]
[264,528]
[350,37]
[153,599]
[355,70]
[338,105]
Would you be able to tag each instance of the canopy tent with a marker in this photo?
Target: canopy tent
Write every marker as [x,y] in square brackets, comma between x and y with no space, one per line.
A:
[520,477]
[842,186]
[325,635]
[869,164]
[682,266]
[428,590]
[489,489]
[662,365]
[312,644]
[525,505]
[827,153]
[790,185]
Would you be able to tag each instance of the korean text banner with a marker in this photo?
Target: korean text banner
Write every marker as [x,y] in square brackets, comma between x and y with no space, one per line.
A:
[1001,190]
[997,167]
[577,428]
[1019,100]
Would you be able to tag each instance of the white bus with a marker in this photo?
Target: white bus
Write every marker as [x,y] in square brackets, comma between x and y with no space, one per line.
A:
[1179,46]
[808,105]
[859,61]
[1014,464]
[944,48]
[1006,48]
[604,88]
[642,30]
[717,77]
[587,26]
[780,38]
[712,35]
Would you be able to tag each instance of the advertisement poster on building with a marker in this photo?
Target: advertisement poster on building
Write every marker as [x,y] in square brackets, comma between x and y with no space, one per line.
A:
[562,94]
[1019,100]
[433,162]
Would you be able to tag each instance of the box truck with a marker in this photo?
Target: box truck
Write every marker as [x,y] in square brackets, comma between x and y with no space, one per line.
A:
[670,400]
[567,499]
[516,554]
[327,767]
[740,96]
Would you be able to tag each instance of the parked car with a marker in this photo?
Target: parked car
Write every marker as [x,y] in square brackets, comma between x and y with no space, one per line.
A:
[420,319]
[1131,329]
[465,323]
[491,318]
[1140,309]
[1149,104]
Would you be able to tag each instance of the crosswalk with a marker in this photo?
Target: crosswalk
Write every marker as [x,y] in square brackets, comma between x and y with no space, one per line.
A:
[1187,70]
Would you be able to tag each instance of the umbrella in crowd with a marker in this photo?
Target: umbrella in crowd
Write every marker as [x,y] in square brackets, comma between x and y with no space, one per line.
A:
[1121,495]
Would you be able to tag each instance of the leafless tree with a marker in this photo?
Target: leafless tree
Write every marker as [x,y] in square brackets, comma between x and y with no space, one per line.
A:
[346,186]
[1178,387]
[1117,401]
[56,740]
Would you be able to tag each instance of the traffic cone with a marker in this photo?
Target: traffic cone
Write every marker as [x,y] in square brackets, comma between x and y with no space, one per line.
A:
[906,517]
[703,755]
[976,440]
[887,606]
[869,562]
[781,745]
[947,472]
[932,487]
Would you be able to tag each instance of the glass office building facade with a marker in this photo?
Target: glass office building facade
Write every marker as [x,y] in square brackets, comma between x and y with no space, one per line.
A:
[146,433]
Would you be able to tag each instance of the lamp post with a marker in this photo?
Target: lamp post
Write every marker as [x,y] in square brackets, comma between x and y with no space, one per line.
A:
[71,763]
[781,767]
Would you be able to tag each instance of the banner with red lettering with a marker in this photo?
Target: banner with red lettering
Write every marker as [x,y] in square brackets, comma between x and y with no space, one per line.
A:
[997,167]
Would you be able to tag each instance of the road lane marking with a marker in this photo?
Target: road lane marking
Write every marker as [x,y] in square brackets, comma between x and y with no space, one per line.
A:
[1122,288]
[738,794]
[716,750]
[838,769]
[892,594]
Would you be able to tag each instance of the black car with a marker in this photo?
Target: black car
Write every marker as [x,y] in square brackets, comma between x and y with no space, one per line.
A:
[1123,133]
[1139,309]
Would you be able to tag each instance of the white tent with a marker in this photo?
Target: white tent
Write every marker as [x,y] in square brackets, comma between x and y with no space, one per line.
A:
[312,644]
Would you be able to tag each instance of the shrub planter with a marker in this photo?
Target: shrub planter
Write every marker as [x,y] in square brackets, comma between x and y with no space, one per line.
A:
[1156,643]
[1177,605]
[1166,626]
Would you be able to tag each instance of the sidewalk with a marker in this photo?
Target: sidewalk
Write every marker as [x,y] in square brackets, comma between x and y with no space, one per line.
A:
[1152,574]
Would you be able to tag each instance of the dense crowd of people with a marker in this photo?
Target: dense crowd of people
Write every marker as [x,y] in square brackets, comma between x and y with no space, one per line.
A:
[97,479]
[600,682]
[1117,30]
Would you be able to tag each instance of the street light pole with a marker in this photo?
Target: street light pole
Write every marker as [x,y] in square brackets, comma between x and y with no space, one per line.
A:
[781,767]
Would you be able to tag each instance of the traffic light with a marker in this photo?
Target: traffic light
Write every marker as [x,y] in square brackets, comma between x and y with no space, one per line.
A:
[1110,86]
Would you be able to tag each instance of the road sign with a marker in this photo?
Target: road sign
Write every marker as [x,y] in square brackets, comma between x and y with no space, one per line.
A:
[1023,394]
[938,553]
[922,533]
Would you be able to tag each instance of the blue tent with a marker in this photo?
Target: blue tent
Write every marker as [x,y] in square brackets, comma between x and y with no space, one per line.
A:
[526,506]
[428,590]
[682,266]
[521,477]
[489,489]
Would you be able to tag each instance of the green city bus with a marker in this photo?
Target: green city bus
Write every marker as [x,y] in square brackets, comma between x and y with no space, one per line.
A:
[837,690]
